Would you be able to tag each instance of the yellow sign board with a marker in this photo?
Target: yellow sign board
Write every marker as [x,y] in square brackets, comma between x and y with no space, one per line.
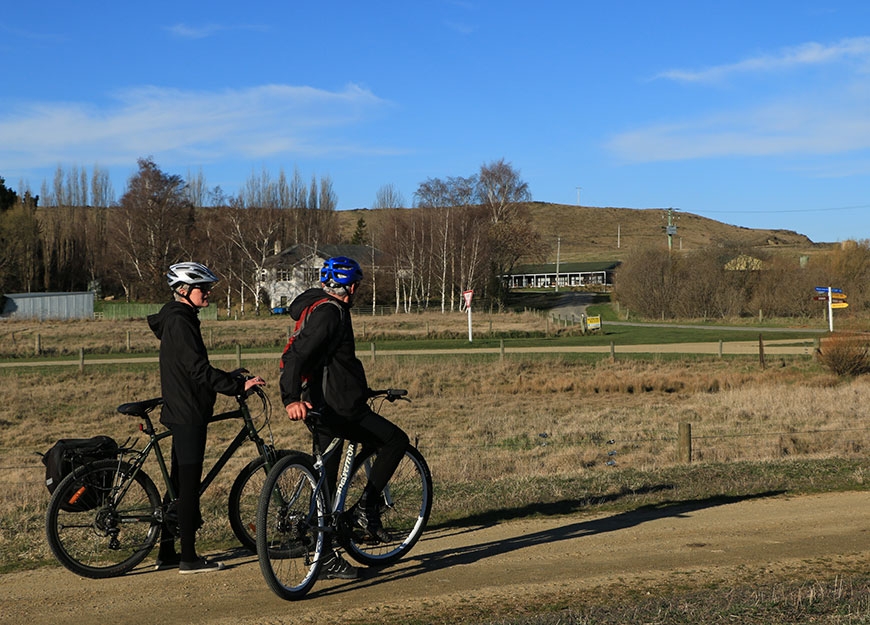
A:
[839,305]
[593,323]
[838,296]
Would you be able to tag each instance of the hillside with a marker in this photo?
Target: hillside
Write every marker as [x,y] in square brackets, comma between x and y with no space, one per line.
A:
[587,233]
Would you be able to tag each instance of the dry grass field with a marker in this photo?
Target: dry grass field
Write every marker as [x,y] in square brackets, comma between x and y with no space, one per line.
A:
[531,423]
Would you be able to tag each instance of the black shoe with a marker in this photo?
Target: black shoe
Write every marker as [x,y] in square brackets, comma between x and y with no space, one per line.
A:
[336,567]
[199,566]
[166,562]
[369,520]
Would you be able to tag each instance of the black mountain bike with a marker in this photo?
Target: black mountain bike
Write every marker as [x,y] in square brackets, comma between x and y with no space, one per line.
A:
[296,511]
[104,518]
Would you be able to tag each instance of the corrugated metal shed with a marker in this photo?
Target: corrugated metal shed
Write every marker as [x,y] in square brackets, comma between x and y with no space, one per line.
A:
[41,306]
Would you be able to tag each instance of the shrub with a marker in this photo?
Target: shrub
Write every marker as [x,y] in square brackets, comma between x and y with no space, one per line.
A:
[846,354]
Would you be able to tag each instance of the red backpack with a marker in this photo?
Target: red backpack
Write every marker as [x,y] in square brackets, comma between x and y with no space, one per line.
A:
[300,323]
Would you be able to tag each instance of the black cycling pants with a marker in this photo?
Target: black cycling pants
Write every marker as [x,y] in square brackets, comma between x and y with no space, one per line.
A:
[374,432]
[188,451]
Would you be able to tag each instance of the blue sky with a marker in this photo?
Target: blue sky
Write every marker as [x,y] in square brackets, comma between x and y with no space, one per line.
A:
[753,113]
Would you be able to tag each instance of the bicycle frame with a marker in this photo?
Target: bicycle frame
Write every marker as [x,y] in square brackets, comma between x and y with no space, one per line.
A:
[247,432]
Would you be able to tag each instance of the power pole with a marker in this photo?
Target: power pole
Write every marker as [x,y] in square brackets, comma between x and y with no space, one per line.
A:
[558,252]
[671,229]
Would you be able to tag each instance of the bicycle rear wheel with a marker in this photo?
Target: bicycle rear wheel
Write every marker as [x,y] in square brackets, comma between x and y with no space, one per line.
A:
[291,516]
[96,532]
[405,506]
[244,495]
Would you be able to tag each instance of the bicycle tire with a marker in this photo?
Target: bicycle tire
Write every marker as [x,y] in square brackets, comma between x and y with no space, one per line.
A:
[291,516]
[244,497]
[106,539]
[405,509]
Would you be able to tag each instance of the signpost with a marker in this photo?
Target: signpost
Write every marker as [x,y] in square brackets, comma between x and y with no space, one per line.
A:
[835,298]
[467,295]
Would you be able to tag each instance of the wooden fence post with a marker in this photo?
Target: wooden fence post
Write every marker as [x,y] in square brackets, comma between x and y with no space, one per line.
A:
[761,351]
[81,359]
[238,356]
[684,444]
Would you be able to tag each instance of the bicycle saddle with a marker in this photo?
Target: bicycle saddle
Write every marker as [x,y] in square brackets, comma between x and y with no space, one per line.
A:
[140,408]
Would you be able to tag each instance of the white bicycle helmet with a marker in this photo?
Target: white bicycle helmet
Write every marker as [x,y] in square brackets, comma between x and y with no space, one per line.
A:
[190,274]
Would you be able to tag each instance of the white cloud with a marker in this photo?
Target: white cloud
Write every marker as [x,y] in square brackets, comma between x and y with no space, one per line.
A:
[257,122]
[808,54]
[817,116]
[785,128]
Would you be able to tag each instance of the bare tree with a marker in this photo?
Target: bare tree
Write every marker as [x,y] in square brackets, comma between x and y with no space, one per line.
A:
[388,196]
[150,229]
[501,190]
[254,233]
[102,194]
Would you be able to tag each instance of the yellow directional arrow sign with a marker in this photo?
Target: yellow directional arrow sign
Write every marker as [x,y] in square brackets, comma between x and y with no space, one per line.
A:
[839,305]
[838,296]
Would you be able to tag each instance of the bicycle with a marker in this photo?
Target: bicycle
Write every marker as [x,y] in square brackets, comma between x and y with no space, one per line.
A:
[295,511]
[105,516]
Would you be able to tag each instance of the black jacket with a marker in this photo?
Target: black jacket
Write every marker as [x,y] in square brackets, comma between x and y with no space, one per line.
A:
[188,381]
[325,349]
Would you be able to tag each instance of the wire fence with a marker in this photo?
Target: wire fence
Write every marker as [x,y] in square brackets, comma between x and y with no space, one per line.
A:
[19,466]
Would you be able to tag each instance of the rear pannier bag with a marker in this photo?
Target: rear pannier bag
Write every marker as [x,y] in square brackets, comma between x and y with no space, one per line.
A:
[69,454]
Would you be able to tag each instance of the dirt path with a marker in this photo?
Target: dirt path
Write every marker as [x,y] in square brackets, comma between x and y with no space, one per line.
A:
[472,570]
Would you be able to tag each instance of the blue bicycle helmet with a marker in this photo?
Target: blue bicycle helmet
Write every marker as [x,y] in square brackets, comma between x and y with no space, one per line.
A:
[340,271]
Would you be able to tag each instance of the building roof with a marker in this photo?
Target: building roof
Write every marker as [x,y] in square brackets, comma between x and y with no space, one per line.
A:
[588,267]
[296,254]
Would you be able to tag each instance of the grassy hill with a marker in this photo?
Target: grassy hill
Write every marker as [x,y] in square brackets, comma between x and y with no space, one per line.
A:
[587,233]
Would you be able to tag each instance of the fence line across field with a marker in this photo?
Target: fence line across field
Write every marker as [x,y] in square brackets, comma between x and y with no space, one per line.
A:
[682,436]
[721,348]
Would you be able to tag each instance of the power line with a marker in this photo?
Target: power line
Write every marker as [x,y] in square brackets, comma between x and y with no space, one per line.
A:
[788,210]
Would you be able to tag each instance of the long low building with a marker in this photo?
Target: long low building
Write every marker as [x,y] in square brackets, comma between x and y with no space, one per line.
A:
[563,275]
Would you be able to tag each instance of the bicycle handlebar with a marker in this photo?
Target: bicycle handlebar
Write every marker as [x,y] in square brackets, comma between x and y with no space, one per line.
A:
[390,394]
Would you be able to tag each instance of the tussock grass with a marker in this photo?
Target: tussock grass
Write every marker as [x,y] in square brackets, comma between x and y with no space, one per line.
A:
[527,435]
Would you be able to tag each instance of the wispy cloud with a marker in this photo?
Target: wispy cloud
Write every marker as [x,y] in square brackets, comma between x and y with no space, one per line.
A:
[783,128]
[203,31]
[808,54]
[809,119]
[259,122]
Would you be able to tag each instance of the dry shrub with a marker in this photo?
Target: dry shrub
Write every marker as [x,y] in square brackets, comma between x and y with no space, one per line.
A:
[846,354]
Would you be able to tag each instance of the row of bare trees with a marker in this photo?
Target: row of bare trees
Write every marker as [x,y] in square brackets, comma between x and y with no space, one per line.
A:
[461,233]
[704,284]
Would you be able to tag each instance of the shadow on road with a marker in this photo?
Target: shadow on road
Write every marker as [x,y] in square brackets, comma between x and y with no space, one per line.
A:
[438,560]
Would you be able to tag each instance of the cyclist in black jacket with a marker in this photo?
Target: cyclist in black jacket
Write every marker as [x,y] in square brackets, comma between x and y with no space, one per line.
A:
[324,352]
[189,385]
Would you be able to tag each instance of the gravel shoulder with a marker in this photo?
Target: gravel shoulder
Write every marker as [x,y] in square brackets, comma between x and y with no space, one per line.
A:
[479,572]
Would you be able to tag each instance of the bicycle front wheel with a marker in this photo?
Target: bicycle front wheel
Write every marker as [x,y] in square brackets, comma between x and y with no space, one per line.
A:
[244,495]
[405,506]
[96,529]
[291,519]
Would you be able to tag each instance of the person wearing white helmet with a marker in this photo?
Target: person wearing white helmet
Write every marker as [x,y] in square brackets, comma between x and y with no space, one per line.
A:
[189,385]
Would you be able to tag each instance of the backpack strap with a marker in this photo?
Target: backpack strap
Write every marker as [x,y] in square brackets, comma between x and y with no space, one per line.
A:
[303,318]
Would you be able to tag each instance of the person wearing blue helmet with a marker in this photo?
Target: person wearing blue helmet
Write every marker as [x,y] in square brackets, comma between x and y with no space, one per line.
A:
[324,353]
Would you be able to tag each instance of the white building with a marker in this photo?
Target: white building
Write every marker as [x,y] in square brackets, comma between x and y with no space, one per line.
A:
[297,268]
